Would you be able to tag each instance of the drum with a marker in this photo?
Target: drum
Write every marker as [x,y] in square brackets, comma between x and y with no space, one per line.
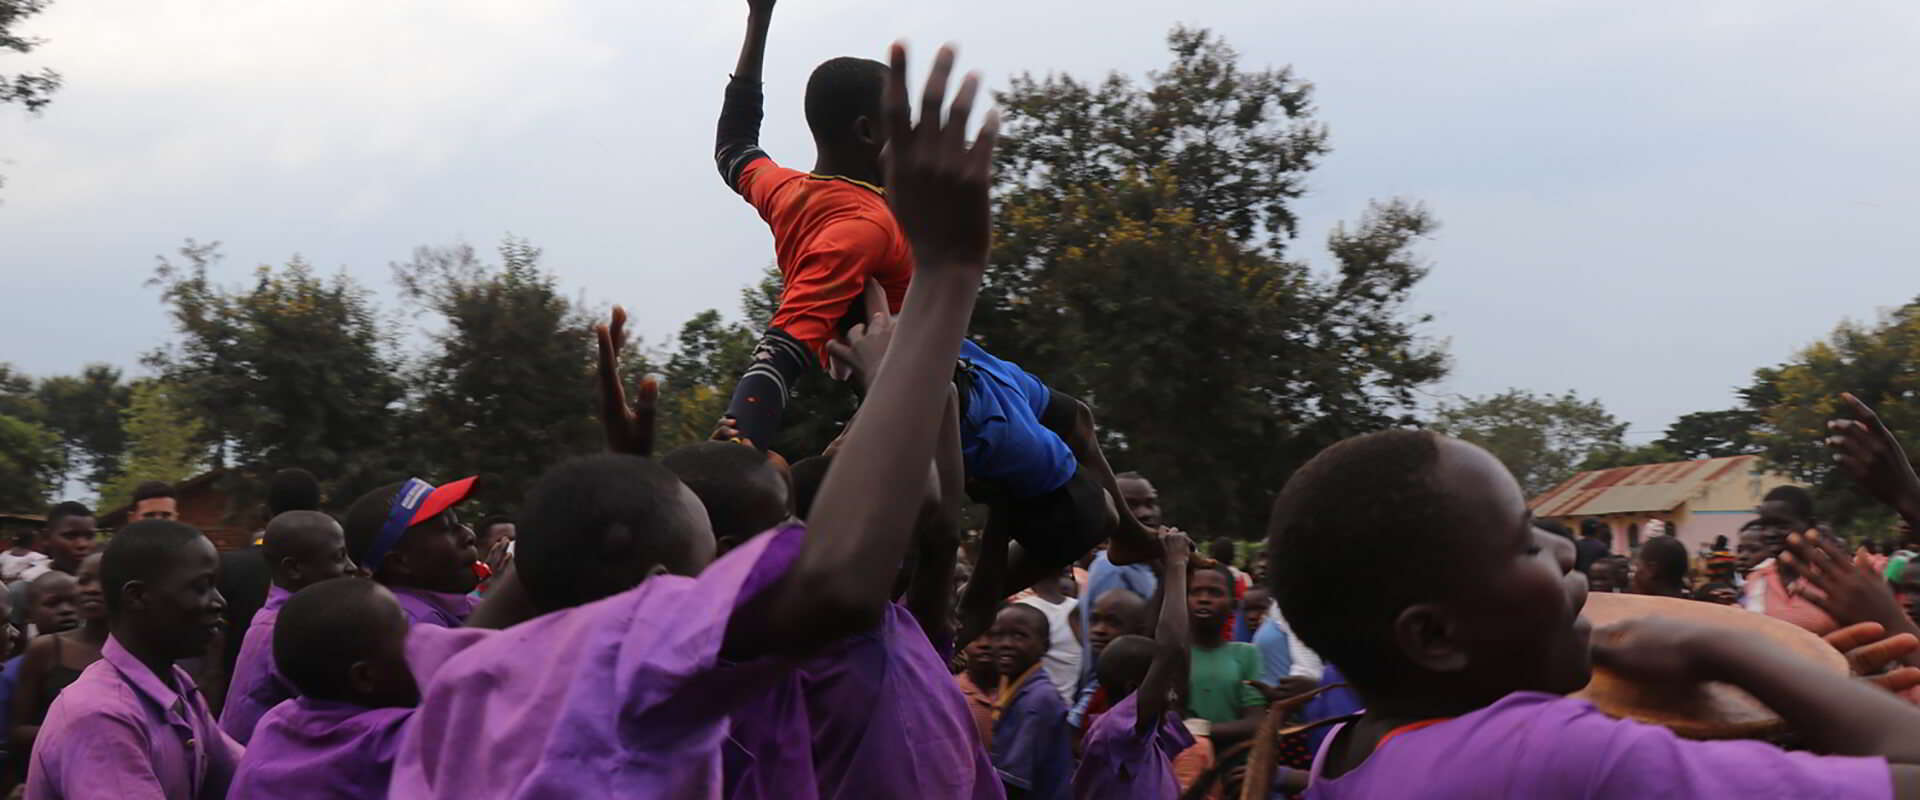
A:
[1703,711]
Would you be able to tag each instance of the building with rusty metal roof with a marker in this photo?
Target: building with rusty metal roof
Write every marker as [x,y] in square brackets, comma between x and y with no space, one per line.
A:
[1698,500]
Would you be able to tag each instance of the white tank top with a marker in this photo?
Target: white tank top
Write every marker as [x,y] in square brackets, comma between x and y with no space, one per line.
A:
[1062,662]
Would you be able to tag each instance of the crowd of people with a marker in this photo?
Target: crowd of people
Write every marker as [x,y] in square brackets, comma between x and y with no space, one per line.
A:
[716,622]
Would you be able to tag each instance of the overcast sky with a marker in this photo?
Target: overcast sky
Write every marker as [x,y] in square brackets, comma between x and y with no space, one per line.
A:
[1642,202]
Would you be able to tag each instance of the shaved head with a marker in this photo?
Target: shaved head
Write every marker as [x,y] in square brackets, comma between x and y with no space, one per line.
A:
[1124,662]
[300,535]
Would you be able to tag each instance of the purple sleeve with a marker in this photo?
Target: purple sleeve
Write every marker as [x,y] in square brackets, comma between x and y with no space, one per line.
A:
[1628,759]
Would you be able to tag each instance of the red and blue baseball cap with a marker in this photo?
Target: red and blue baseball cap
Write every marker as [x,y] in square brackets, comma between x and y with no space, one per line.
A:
[416,502]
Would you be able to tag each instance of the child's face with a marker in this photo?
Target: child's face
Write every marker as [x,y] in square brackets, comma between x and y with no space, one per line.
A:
[1754,548]
[56,605]
[1604,576]
[91,597]
[1018,641]
[326,562]
[182,606]
[70,541]
[1208,598]
[1254,608]
[1116,614]
[1909,589]
[1142,500]
[1515,601]
[1640,575]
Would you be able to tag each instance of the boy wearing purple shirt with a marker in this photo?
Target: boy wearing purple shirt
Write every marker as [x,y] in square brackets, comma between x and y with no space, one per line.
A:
[341,645]
[301,548]
[1462,664]
[134,726]
[1129,750]
[408,538]
[1032,745]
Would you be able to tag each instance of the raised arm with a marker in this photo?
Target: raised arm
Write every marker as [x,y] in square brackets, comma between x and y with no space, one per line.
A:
[737,139]
[985,589]
[930,596]
[862,519]
[1171,644]
[1871,454]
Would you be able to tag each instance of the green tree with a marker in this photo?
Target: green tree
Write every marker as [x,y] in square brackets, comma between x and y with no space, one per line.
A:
[1712,434]
[1542,439]
[85,411]
[163,441]
[1141,263]
[34,90]
[508,391]
[1879,363]
[290,370]
[29,465]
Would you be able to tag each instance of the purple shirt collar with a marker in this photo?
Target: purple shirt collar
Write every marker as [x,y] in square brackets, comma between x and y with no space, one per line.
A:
[433,608]
[135,673]
[276,597]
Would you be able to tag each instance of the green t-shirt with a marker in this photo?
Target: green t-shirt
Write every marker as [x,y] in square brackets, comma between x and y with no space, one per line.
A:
[1215,688]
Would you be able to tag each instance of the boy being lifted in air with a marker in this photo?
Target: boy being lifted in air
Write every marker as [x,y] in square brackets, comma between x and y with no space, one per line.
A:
[1031,449]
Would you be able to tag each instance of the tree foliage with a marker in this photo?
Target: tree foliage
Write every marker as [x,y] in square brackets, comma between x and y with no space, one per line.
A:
[1543,439]
[34,90]
[292,369]
[1878,362]
[1141,264]
[85,412]
[163,434]
[506,391]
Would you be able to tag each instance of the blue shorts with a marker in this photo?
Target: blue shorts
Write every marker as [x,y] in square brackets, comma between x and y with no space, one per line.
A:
[1001,435]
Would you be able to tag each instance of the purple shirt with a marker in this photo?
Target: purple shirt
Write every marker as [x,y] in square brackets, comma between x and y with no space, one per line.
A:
[622,697]
[119,733]
[257,685]
[1032,745]
[1540,745]
[1116,762]
[433,608]
[307,749]
[884,717]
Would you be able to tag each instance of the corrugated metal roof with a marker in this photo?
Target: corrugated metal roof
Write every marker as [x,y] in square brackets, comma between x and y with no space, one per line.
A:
[1648,487]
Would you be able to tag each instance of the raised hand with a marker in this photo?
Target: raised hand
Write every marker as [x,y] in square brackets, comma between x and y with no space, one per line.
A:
[1848,588]
[937,183]
[864,346]
[1873,457]
[629,426]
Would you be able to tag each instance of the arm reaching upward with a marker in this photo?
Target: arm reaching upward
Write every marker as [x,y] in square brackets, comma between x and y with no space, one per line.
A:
[737,140]
[863,516]
[1871,454]
[1168,675]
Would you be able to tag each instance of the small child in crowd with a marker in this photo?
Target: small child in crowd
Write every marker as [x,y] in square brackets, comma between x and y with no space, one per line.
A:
[1032,745]
[1129,751]
[302,548]
[341,644]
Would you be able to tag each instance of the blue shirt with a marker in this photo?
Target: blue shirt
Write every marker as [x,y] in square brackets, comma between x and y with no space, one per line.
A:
[1002,439]
[1276,650]
[1032,746]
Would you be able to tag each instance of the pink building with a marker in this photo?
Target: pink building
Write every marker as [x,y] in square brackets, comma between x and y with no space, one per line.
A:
[1699,500]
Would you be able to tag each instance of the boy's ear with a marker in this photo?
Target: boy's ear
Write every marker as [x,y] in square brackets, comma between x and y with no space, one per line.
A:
[289,566]
[1428,635]
[133,595]
[361,679]
[863,128]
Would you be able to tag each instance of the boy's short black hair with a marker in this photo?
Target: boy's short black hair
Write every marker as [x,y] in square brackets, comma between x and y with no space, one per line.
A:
[590,512]
[743,493]
[1046,629]
[842,90]
[1125,661]
[492,520]
[148,490]
[807,475]
[292,489]
[1797,500]
[322,631]
[142,551]
[1222,550]
[64,509]
[1592,528]
[1360,522]
[1668,558]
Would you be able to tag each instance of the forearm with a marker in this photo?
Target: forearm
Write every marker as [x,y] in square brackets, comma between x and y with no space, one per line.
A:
[1832,713]
[1171,650]
[867,503]
[982,595]
[931,594]
[737,137]
[1227,734]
